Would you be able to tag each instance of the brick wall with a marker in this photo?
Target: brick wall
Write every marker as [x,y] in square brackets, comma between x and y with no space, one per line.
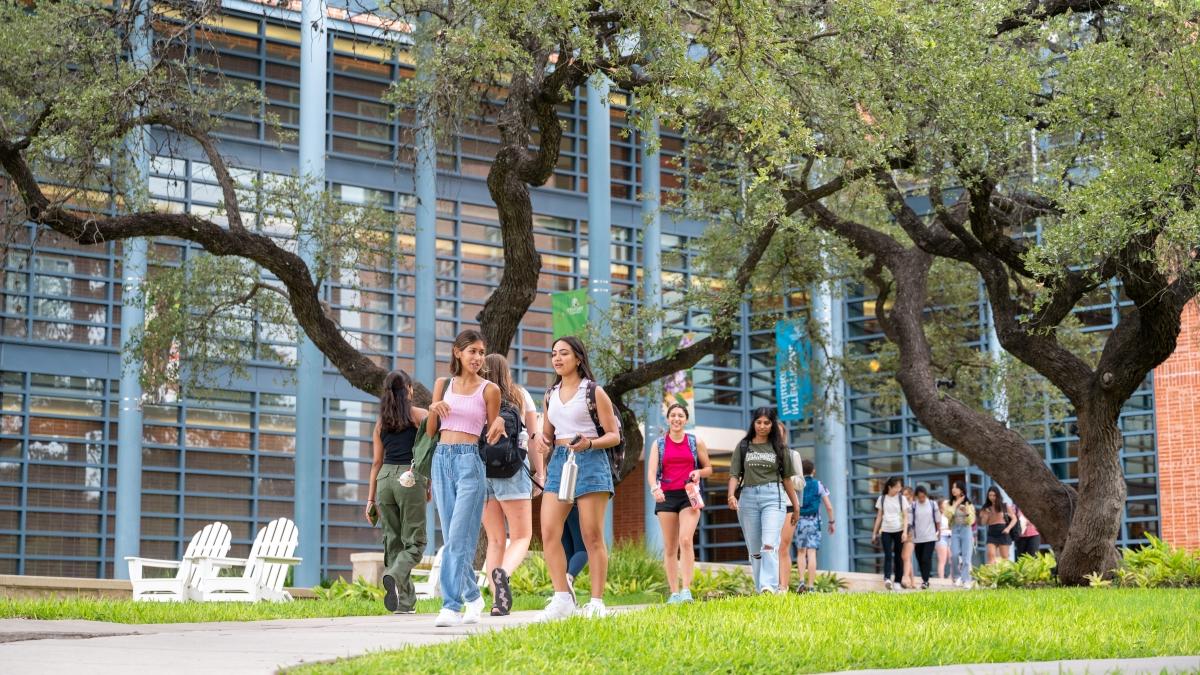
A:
[629,506]
[1176,383]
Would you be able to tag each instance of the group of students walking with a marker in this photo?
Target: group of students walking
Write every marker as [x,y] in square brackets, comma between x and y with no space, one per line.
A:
[910,524]
[478,413]
[481,454]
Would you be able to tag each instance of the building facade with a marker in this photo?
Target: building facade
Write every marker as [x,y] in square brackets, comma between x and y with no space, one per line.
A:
[227,452]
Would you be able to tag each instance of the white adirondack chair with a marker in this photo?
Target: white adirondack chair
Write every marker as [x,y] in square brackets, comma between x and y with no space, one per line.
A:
[429,588]
[263,573]
[212,541]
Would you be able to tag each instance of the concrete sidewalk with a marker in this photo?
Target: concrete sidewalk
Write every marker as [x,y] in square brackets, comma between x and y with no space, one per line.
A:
[258,647]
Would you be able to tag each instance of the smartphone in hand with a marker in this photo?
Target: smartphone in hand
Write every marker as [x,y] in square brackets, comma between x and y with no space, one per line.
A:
[373,515]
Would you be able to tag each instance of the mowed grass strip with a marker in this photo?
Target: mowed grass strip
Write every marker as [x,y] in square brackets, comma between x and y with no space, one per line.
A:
[128,611]
[825,632]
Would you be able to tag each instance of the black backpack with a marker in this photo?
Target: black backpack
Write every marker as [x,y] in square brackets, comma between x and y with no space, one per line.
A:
[506,457]
[616,454]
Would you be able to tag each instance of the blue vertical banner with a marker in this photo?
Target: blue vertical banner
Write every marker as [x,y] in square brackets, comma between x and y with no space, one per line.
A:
[793,386]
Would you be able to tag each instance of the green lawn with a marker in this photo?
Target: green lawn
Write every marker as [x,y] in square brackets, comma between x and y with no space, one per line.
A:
[825,632]
[127,611]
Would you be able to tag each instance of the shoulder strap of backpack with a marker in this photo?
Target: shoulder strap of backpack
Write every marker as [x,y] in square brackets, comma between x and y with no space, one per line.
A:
[660,445]
[691,441]
[593,409]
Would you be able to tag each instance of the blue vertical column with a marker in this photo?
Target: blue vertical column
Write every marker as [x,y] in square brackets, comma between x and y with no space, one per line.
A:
[831,451]
[599,175]
[652,285]
[425,255]
[128,523]
[309,405]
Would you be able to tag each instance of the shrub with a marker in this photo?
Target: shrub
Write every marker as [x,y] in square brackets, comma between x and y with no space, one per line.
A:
[532,577]
[709,585]
[829,582]
[1036,571]
[340,590]
[1155,565]
[631,569]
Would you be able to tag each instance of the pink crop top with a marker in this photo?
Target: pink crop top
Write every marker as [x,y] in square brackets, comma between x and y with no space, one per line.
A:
[468,413]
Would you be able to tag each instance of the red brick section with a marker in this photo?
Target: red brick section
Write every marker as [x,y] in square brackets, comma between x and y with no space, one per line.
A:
[629,507]
[1177,406]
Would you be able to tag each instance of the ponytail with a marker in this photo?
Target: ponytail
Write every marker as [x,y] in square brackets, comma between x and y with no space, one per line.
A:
[395,404]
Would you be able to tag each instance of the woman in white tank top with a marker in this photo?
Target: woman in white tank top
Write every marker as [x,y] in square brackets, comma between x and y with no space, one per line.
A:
[568,427]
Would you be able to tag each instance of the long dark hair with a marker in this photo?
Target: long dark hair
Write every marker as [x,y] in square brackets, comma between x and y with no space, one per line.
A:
[496,370]
[465,339]
[774,437]
[887,486]
[961,488]
[395,405]
[584,368]
[998,505]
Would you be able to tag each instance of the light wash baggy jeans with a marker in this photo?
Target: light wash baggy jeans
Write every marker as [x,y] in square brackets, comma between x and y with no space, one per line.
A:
[761,513]
[962,543]
[459,490]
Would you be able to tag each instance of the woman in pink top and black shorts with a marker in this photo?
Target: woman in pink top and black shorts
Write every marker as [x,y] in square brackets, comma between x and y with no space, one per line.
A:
[684,460]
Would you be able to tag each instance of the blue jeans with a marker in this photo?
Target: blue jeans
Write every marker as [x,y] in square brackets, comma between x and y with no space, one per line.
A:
[459,489]
[761,513]
[962,545]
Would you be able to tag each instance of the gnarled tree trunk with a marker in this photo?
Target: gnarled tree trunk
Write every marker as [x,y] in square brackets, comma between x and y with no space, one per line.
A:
[1096,521]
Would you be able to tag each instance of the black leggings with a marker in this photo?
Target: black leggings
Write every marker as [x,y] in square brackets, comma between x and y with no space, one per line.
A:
[924,553]
[572,541]
[893,566]
[1029,545]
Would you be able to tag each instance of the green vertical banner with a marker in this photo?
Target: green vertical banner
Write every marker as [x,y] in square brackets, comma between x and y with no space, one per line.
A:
[570,312]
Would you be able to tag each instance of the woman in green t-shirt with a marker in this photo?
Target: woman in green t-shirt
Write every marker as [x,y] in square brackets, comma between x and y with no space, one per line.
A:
[759,492]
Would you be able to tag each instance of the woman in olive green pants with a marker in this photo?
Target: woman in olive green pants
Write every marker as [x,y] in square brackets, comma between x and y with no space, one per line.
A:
[400,507]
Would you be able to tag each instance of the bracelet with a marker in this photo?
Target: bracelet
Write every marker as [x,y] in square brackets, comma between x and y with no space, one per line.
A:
[590,444]
[370,501]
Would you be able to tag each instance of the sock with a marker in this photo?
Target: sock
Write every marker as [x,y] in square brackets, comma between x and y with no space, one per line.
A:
[597,601]
[563,596]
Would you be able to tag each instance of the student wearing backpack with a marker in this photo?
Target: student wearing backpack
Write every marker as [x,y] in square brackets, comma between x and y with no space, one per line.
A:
[891,524]
[680,460]
[400,509]
[580,420]
[808,528]
[925,520]
[758,491]
[1028,540]
[998,517]
[961,514]
[508,513]
[464,406]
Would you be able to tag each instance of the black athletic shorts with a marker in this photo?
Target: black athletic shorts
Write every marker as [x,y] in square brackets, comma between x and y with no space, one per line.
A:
[677,500]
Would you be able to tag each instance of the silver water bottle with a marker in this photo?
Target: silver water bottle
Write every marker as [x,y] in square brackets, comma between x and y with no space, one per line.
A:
[566,484]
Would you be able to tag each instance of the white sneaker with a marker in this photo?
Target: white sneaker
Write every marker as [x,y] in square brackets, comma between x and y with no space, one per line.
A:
[447,618]
[557,608]
[969,585]
[594,610]
[887,584]
[958,583]
[473,609]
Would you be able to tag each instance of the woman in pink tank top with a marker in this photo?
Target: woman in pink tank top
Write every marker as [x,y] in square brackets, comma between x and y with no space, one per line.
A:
[464,405]
[684,461]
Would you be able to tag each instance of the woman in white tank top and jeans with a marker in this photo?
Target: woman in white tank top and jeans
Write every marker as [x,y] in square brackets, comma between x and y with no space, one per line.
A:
[463,406]
[567,417]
